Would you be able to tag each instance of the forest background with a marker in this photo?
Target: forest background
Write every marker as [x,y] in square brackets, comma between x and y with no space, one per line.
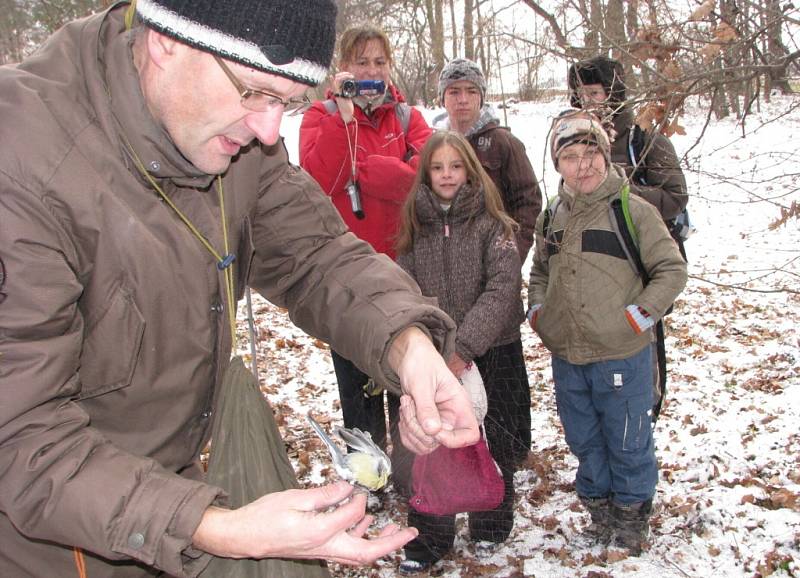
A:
[719,77]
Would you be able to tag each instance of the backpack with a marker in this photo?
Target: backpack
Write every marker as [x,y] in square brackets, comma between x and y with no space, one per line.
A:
[401,109]
[680,227]
[625,230]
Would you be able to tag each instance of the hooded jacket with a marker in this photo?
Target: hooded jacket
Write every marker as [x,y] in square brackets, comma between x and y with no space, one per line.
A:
[460,256]
[503,157]
[113,322]
[584,281]
[386,163]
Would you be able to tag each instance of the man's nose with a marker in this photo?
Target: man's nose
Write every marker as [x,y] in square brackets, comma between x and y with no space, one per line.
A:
[265,125]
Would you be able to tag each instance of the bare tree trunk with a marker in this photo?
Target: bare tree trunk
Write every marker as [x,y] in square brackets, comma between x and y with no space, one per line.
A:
[776,50]
[454,27]
[435,14]
[469,34]
[481,36]
[631,30]
[596,23]
[731,59]
[615,27]
[590,35]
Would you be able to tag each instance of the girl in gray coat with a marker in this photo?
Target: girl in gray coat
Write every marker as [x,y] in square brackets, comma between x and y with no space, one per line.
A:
[594,313]
[459,244]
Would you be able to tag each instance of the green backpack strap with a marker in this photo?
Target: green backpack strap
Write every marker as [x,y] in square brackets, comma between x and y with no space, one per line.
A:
[626,231]
[625,198]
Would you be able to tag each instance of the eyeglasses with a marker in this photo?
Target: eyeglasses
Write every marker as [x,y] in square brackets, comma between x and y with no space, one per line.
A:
[259,100]
[573,158]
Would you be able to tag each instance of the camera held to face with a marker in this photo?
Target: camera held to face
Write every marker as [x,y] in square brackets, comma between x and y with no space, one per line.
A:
[351,88]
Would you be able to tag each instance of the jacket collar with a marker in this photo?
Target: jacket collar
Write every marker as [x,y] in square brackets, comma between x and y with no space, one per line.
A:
[468,203]
[149,140]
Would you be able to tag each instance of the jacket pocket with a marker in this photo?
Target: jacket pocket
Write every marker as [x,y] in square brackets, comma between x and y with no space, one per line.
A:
[638,422]
[245,254]
[111,346]
[493,168]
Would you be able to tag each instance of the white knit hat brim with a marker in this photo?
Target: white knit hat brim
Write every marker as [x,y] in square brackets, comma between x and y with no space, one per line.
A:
[214,41]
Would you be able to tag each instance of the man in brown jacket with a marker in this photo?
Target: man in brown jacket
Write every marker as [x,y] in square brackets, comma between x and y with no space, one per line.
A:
[114,331]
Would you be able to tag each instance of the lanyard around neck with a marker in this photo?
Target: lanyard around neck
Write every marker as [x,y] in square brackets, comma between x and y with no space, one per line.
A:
[224,263]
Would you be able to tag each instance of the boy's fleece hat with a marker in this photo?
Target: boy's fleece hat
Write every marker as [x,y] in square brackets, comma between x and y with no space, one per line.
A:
[597,70]
[289,38]
[572,127]
[461,69]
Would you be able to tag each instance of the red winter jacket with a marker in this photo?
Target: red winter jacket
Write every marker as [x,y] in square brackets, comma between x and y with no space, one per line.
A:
[386,163]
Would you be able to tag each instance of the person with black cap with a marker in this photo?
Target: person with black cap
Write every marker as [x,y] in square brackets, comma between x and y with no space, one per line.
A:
[142,187]
[598,84]
[595,314]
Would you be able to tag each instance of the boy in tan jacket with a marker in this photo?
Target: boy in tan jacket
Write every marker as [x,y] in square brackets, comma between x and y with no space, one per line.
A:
[592,310]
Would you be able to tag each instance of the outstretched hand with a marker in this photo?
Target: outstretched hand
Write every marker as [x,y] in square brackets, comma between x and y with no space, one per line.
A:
[314,523]
[435,409]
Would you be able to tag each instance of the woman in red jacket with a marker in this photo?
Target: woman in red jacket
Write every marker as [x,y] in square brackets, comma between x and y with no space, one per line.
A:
[363,152]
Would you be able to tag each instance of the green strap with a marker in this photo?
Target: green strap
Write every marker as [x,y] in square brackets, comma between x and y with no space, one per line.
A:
[624,196]
[225,264]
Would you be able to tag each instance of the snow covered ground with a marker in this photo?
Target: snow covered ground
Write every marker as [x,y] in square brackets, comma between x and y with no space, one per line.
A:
[728,440]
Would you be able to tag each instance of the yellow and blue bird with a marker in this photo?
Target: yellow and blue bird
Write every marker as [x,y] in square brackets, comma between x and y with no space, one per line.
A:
[368,466]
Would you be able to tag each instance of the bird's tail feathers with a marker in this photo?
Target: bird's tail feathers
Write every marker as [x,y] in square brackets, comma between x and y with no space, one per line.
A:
[332,447]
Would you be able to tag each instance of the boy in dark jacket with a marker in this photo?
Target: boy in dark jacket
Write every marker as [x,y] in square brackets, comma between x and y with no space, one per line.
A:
[462,91]
[598,84]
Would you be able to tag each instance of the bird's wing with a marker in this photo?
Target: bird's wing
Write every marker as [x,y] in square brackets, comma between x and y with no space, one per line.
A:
[359,440]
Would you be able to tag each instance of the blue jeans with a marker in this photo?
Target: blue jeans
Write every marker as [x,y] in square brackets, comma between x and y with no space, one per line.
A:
[606,410]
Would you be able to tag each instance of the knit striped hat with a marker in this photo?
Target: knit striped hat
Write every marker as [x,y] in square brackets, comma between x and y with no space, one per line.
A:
[571,127]
[290,38]
[461,69]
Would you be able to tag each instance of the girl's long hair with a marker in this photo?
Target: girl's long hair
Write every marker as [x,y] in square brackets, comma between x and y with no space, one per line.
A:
[476,177]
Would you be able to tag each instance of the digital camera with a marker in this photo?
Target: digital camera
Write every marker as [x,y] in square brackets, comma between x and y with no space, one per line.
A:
[352,88]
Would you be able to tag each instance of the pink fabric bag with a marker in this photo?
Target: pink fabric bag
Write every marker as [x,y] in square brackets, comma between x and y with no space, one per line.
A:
[449,481]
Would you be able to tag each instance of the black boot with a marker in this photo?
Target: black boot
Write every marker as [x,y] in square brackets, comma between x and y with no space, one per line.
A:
[631,524]
[600,530]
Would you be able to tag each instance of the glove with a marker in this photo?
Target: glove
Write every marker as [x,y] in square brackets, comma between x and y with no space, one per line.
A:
[639,319]
[533,313]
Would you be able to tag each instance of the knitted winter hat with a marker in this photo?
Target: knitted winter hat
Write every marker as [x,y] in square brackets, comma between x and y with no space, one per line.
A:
[290,38]
[461,69]
[597,70]
[570,128]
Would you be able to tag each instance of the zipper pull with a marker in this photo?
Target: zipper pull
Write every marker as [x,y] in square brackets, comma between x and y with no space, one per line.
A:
[446,230]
